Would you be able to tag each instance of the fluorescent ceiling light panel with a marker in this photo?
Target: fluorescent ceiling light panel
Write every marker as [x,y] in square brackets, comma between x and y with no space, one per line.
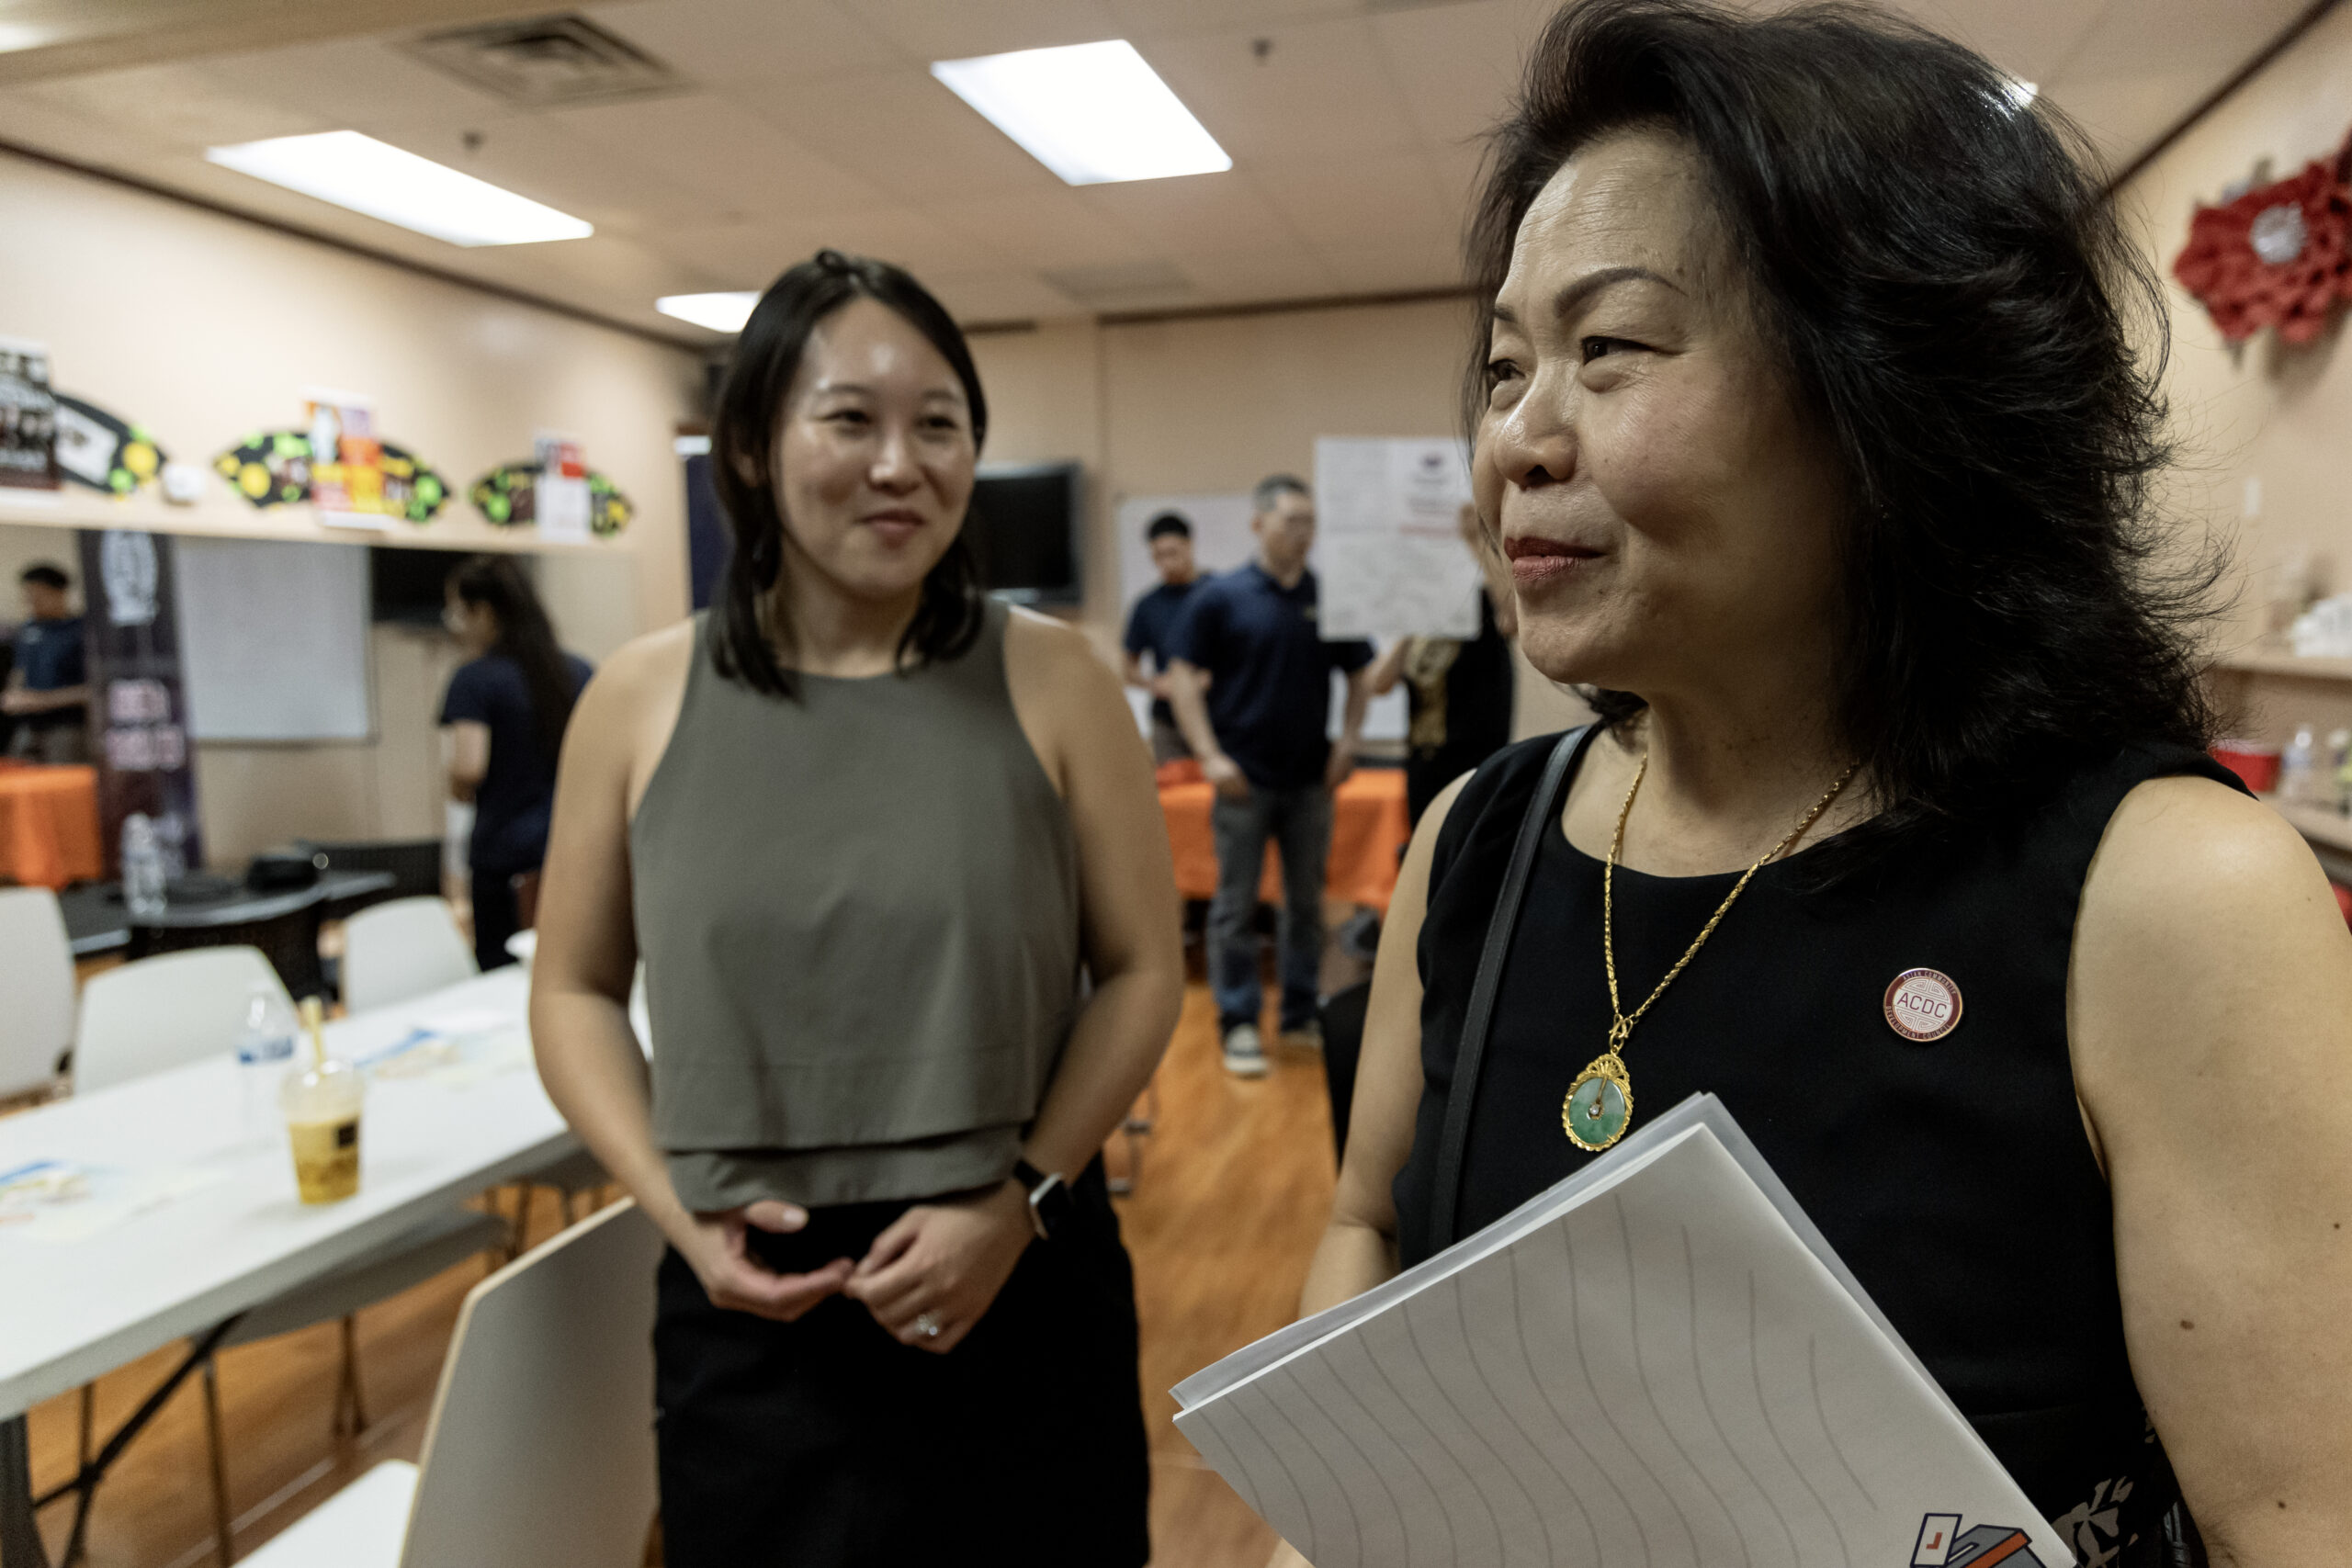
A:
[374,178]
[720,312]
[1093,113]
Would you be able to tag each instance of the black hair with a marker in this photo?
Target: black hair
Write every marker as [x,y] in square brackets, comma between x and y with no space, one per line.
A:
[747,625]
[526,637]
[1167,522]
[1274,487]
[47,574]
[1951,300]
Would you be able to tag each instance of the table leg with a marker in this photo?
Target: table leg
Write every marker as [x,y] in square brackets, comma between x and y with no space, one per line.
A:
[20,1544]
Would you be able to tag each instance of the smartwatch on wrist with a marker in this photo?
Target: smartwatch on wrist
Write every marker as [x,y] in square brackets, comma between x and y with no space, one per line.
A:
[1049,1200]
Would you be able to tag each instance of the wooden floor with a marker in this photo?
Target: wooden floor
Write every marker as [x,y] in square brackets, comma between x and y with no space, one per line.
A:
[1235,1183]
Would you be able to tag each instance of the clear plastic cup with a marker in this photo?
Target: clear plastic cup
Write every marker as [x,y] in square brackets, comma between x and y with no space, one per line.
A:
[321,1100]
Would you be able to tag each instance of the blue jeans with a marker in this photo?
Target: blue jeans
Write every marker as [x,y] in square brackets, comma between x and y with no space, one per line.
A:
[1299,822]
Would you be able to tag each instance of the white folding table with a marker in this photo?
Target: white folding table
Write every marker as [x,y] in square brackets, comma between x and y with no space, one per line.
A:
[71,1310]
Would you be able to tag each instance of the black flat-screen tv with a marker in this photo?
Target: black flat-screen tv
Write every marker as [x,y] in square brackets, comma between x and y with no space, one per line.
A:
[1024,529]
[404,583]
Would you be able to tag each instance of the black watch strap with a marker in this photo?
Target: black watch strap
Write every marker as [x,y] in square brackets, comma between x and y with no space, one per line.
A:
[1049,1200]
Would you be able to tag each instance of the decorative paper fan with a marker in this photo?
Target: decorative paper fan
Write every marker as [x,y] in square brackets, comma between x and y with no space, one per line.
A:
[2275,256]
[273,469]
[508,498]
[97,450]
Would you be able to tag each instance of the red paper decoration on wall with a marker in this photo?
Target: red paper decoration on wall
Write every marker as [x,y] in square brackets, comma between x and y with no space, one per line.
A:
[2276,256]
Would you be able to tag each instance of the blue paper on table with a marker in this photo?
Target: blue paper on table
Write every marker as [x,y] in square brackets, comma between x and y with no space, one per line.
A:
[1659,1361]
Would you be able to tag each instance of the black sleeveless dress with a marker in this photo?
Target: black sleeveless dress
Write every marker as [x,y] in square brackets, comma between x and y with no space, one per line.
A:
[1954,1178]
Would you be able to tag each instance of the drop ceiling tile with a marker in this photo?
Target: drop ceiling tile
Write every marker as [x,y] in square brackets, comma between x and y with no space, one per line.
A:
[737,255]
[39,123]
[540,157]
[757,40]
[1208,213]
[926,30]
[1047,229]
[1000,296]
[1321,89]
[2194,37]
[1273,273]
[349,82]
[912,239]
[1459,171]
[710,144]
[1366,201]
[2030,40]
[906,133]
[183,108]
[2136,72]
[1456,66]
[1374,269]
[1170,19]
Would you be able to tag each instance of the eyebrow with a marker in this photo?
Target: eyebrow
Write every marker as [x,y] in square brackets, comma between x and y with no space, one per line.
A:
[948,394]
[1574,295]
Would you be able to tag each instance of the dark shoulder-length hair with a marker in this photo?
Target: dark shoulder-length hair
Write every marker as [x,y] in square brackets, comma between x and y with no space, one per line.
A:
[1952,301]
[747,627]
[527,636]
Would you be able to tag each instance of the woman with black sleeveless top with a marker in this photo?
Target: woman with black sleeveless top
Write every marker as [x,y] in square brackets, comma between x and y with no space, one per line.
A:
[1805,412]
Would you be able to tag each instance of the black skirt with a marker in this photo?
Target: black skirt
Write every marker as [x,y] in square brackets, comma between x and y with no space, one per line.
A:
[826,1442]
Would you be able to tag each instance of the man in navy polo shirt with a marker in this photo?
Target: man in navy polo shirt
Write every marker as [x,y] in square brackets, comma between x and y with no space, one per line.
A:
[1251,687]
[1169,538]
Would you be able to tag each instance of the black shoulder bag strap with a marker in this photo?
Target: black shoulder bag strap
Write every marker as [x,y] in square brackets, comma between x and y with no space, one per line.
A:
[1470,1052]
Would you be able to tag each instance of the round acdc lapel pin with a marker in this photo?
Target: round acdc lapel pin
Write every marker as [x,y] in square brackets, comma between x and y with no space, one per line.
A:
[1922,1005]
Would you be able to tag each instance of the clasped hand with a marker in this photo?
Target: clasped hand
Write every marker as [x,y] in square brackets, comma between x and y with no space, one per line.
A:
[938,1263]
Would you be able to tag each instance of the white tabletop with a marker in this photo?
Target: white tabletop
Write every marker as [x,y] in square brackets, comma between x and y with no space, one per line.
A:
[71,1310]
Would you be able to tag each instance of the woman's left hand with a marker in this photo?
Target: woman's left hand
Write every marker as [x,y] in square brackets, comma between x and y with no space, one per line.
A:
[942,1265]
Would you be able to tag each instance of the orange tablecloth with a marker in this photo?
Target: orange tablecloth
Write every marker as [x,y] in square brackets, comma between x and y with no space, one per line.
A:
[1367,834]
[49,825]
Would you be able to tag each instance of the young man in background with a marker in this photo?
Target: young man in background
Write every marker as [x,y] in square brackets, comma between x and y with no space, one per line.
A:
[1149,622]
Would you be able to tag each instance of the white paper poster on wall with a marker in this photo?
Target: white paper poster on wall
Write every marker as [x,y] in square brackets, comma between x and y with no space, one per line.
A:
[273,640]
[1221,537]
[1389,538]
[1222,541]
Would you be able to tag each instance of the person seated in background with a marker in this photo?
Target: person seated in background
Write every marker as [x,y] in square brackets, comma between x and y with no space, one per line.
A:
[48,693]
[1169,538]
[1250,682]
[505,716]
[1458,694]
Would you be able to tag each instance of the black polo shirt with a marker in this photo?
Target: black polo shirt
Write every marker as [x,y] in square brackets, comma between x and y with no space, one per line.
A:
[1149,625]
[1270,673]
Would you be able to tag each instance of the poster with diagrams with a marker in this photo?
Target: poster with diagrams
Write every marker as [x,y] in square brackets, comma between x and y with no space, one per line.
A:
[1389,543]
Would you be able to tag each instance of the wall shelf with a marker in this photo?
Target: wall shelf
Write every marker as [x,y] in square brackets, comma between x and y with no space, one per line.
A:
[2287,664]
[220,517]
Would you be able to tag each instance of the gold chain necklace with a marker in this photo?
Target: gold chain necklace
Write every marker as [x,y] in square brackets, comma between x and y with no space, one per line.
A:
[1600,1103]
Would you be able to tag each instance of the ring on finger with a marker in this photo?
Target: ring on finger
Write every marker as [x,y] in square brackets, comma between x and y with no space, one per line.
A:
[927,1323]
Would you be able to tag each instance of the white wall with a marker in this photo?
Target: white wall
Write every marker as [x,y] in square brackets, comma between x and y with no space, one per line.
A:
[204,329]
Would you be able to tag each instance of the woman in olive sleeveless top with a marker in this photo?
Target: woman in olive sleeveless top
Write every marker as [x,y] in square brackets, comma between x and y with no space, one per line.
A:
[1806,416]
[892,858]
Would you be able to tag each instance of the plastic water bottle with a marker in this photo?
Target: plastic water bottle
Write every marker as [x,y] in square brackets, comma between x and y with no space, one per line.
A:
[265,1052]
[143,868]
[2298,767]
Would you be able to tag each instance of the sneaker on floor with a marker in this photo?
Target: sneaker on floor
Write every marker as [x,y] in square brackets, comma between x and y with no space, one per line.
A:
[1245,1057]
[1308,1036]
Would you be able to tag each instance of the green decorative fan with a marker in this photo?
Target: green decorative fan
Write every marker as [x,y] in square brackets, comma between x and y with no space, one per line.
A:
[507,496]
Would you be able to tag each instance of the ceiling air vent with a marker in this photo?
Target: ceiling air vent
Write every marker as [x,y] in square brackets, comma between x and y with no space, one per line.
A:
[1128,284]
[546,62]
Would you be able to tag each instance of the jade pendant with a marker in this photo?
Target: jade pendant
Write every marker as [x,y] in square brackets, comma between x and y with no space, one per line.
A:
[1600,1105]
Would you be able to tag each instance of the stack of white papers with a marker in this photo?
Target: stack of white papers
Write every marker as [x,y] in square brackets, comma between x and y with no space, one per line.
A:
[1659,1363]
